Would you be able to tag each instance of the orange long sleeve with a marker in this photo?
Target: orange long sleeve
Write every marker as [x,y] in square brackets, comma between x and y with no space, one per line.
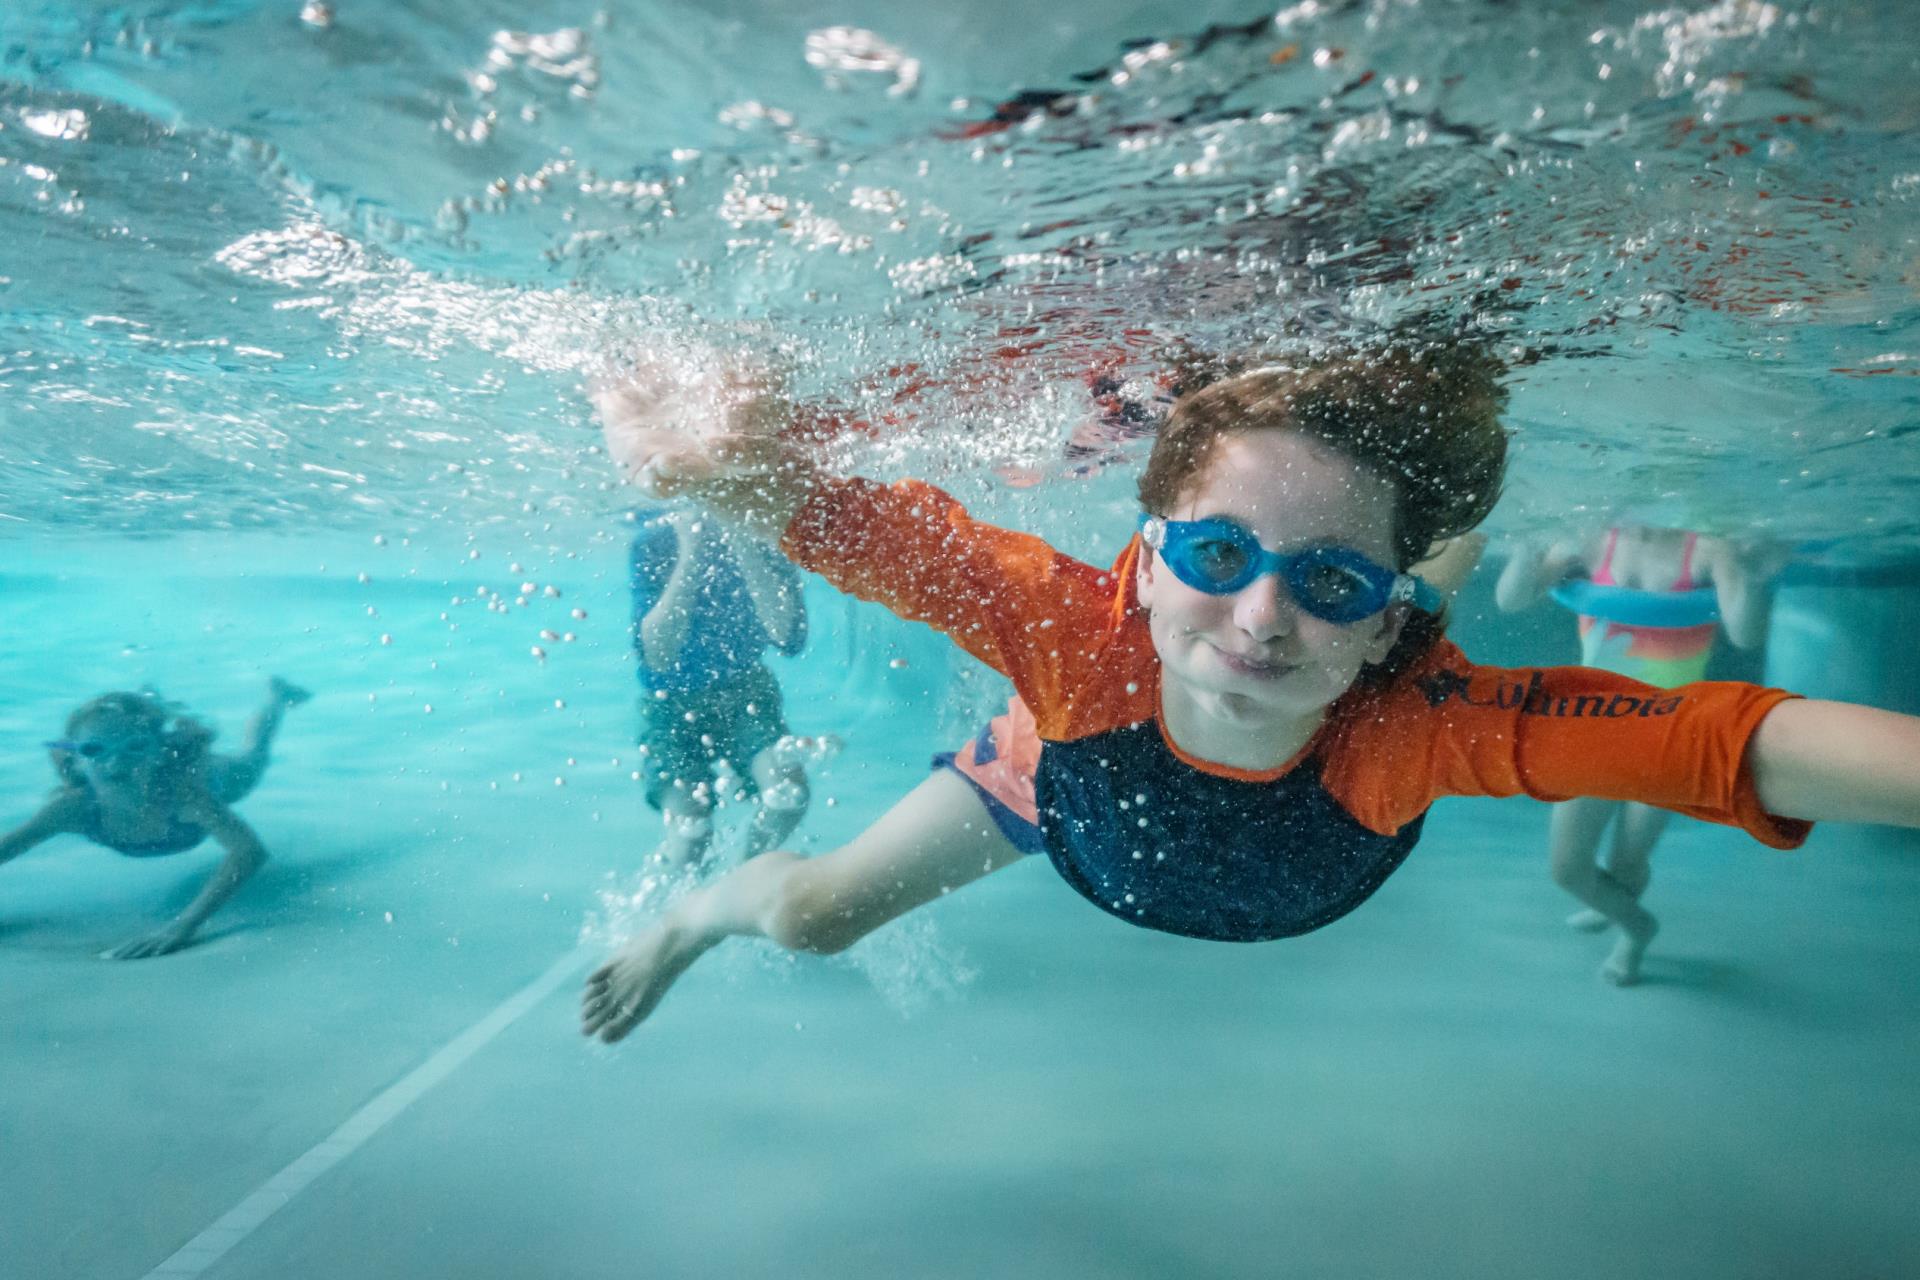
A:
[1453,728]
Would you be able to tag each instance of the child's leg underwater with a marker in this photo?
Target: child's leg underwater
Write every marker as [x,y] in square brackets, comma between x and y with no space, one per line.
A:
[1634,835]
[687,816]
[939,837]
[232,777]
[1577,828]
[1630,860]
[783,800]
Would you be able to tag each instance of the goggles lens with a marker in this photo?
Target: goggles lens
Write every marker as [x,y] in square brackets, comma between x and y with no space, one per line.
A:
[95,748]
[1219,557]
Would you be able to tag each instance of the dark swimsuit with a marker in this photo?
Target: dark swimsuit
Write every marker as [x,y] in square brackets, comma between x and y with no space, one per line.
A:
[1147,838]
[1204,856]
[180,837]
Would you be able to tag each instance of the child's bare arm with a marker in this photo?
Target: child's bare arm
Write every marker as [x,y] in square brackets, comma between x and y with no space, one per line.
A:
[57,816]
[663,631]
[775,596]
[1449,564]
[1742,578]
[1532,571]
[245,855]
[1837,762]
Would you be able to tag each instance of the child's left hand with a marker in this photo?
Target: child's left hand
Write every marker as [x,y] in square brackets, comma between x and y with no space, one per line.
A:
[167,938]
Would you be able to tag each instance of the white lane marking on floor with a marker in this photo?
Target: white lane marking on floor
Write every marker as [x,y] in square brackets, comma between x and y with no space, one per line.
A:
[273,1195]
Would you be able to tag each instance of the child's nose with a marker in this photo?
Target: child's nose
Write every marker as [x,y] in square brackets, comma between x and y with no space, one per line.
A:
[1264,609]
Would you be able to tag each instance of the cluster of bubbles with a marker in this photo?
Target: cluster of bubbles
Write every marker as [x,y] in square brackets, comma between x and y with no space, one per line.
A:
[1719,177]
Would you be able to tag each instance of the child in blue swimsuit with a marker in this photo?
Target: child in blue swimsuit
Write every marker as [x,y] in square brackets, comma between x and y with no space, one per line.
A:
[1235,730]
[137,776]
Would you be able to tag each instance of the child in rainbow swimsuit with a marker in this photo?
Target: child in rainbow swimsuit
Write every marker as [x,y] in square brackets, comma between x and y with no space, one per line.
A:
[1630,562]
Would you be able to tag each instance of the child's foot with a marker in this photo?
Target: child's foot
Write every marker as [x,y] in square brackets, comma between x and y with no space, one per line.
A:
[623,991]
[291,695]
[673,856]
[1587,920]
[1622,968]
[684,846]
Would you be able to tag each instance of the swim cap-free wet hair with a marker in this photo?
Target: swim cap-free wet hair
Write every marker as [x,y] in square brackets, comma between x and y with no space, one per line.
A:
[1425,419]
[183,740]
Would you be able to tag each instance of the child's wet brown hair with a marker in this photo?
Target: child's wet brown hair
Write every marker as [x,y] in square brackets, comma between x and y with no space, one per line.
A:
[1424,417]
[183,740]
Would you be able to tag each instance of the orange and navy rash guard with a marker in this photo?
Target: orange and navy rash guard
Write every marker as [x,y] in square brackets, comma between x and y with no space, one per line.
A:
[1172,842]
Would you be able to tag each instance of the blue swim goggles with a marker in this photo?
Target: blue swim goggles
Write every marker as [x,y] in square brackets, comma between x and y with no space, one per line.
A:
[1334,584]
[89,749]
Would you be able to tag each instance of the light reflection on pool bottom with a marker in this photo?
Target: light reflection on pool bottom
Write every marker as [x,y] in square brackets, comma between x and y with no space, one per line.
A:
[1438,1085]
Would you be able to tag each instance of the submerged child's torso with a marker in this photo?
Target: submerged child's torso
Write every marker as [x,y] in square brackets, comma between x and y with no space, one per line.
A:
[142,839]
[1142,834]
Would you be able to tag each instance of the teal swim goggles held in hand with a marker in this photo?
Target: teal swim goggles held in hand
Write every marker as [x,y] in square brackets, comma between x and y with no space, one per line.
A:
[1334,584]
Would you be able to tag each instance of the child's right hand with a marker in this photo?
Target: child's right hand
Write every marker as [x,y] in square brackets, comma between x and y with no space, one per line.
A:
[688,422]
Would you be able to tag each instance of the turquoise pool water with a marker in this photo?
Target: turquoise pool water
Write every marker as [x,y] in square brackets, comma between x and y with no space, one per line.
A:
[295,305]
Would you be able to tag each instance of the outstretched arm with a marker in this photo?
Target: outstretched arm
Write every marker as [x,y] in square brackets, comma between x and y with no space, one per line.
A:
[245,855]
[937,839]
[56,816]
[907,546]
[775,593]
[1838,762]
[1743,587]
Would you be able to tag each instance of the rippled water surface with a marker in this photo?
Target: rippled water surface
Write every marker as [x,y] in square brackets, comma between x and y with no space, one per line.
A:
[267,266]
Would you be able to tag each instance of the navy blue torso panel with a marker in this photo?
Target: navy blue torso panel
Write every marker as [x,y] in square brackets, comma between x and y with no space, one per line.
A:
[1156,842]
[180,837]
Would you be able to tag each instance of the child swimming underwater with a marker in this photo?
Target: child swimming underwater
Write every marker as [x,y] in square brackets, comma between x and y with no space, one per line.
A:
[1235,731]
[137,776]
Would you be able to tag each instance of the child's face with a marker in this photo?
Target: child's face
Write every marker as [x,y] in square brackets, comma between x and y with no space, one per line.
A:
[115,752]
[1255,657]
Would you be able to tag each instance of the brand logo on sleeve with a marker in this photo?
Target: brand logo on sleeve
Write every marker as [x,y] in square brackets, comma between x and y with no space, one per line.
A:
[1534,699]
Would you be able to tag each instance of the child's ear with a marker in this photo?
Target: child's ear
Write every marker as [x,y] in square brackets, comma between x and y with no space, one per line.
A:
[1143,577]
[1392,618]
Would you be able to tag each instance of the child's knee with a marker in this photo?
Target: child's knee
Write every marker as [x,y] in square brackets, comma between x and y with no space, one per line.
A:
[804,914]
[1571,873]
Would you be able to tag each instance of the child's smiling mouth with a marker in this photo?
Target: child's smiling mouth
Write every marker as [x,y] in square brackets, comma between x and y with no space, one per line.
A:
[1253,665]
